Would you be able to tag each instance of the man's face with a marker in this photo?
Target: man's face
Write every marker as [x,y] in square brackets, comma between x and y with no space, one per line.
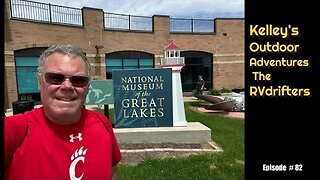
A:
[63,100]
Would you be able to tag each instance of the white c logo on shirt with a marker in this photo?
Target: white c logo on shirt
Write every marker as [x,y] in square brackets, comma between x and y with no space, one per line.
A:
[75,158]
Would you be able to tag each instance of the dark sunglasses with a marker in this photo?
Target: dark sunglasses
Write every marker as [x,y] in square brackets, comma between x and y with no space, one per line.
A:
[57,79]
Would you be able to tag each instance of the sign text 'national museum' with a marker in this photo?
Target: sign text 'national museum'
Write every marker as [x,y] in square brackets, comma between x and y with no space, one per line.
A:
[143,98]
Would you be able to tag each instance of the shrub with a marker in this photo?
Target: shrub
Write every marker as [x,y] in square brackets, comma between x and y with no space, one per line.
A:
[218,92]
[215,92]
[225,90]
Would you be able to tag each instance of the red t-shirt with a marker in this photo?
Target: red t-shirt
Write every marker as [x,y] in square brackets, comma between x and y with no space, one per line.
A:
[36,148]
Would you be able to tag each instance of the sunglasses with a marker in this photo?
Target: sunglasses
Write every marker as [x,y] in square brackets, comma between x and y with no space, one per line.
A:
[57,79]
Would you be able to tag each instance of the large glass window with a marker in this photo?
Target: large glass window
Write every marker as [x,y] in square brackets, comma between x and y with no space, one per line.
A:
[26,61]
[130,64]
[128,60]
[146,63]
[26,73]
[26,69]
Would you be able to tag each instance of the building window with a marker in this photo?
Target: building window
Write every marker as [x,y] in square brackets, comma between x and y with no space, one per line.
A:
[26,73]
[177,53]
[146,63]
[196,63]
[171,53]
[130,63]
[128,60]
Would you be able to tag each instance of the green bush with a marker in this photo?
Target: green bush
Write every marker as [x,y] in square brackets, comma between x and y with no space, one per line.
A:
[215,92]
[225,90]
[218,92]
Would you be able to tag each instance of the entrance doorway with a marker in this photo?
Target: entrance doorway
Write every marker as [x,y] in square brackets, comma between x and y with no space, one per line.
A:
[196,63]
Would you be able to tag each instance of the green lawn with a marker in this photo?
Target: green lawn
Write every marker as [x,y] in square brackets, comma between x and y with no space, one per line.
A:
[228,133]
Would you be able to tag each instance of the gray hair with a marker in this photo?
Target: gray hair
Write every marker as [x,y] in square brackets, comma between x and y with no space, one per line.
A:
[65,49]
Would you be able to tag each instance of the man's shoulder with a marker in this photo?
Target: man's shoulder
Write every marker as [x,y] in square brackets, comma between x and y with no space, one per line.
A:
[104,119]
[25,115]
[90,112]
[94,114]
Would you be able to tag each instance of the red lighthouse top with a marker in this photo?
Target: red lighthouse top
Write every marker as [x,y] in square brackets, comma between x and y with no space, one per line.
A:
[172,57]
[171,46]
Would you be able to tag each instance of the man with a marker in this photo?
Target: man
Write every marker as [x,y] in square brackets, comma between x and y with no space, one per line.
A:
[200,85]
[61,139]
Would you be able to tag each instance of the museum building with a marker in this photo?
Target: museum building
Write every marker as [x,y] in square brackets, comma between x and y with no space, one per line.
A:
[213,48]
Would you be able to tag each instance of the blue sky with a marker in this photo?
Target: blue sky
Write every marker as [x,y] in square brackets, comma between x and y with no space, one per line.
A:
[201,9]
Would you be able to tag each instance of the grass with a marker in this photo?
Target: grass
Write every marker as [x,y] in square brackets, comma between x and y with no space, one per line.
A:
[228,133]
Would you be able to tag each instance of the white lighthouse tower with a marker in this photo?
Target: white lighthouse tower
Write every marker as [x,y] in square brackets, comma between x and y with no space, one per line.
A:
[173,60]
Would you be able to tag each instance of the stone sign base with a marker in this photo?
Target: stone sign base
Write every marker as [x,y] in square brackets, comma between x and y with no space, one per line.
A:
[194,132]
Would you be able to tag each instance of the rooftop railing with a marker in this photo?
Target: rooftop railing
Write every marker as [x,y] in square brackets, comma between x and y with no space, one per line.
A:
[54,14]
[127,22]
[47,13]
[172,60]
[179,25]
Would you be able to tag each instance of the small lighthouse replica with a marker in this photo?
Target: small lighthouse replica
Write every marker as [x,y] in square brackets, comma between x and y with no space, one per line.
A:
[173,60]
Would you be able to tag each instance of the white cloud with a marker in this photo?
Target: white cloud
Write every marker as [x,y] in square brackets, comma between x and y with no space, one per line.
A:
[208,9]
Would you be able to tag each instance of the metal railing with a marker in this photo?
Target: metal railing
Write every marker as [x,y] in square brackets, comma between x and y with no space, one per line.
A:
[179,25]
[127,22]
[42,12]
[172,60]
[48,13]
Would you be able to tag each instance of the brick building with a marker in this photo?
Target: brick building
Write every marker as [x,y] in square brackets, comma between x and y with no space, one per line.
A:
[219,55]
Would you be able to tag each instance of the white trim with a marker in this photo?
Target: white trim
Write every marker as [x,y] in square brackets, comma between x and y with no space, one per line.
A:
[9,64]
[9,52]
[227,55]
[228,62]
[98,64]
[94,55]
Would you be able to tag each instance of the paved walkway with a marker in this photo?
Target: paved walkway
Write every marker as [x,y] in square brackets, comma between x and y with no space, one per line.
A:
[223,113]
